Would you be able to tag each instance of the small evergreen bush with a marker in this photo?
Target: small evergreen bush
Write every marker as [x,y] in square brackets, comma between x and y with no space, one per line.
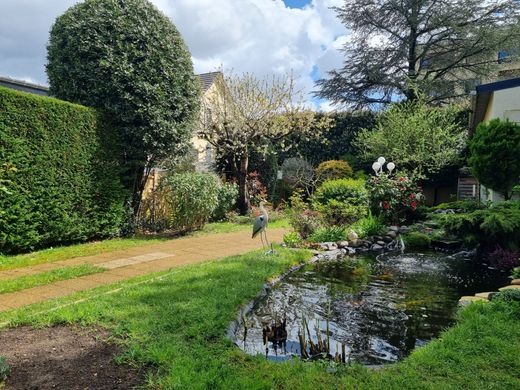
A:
[333,169]
[304,221]
[341,201]
[497,224]
[508,295]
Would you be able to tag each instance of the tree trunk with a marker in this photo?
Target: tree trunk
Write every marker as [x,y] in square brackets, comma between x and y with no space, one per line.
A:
[244,204]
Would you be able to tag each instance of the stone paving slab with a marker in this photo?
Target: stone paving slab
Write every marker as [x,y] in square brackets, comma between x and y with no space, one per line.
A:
[133,262]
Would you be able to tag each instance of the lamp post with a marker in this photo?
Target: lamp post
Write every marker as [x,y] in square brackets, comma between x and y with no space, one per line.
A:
[378,165]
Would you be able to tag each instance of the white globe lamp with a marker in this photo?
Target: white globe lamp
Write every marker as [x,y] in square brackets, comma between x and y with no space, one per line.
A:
[381,160]
[390,166]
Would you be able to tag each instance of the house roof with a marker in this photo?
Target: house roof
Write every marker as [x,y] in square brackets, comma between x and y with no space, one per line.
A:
[207,79]
[483,96]
[24,86]
[499,85]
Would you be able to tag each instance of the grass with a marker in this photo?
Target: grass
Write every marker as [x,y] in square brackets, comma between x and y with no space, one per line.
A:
[50,255]
[229,227]
[177,324]
[41,279]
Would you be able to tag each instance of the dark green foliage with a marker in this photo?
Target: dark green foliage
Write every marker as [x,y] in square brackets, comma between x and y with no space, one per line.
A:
[292,239]
[334,143]
[369,226]
[516,273]
[127,58]
[329,234]
[341,201]
[416,240]
[64,183]
[498,224]
[465,206]
[507,295]
[495,155]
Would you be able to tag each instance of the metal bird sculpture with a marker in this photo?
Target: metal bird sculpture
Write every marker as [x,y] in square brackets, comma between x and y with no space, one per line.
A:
[260,225]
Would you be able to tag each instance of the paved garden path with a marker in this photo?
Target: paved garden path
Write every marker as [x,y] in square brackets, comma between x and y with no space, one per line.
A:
[129,263]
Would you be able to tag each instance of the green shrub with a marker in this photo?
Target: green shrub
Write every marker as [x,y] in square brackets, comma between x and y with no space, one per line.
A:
[329,234]
[466,206]
[369,226]
[495,155]
[508,295]
[497,224]
[227,198]
[4,369]
[63,182]
[516,273]
[191,199]
[292,239]
[416,240]
[341,201]
[333,169]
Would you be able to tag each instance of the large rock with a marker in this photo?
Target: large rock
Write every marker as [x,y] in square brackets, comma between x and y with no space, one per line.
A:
[381,242]
[391,234]
[329,246]
[512,287]
[404,229]
[342,244]
[376,247]
[387,239]
[394,229]
[515,282]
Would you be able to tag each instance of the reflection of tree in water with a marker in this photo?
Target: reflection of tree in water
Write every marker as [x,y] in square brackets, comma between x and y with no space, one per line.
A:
[381,310]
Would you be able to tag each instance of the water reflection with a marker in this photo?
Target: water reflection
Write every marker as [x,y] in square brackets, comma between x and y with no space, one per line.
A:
[379,309]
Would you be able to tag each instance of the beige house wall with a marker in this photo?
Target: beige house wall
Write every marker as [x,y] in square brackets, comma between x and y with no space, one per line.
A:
[503,104]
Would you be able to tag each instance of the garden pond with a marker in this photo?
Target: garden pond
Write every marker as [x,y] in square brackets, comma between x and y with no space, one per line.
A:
[377,310]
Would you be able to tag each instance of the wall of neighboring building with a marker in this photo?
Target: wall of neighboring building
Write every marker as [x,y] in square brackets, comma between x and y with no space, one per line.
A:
[504,104]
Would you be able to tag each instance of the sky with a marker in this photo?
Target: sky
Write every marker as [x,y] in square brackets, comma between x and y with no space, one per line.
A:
[258,36]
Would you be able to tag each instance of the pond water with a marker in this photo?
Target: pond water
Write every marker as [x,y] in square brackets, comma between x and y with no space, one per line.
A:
[380,309]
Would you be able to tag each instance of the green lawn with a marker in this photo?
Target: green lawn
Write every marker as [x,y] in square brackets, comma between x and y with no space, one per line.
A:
[175,326]
[50,255]
[24,282]
[68,252]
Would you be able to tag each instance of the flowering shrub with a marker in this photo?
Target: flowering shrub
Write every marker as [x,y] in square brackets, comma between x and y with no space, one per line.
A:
[393,197]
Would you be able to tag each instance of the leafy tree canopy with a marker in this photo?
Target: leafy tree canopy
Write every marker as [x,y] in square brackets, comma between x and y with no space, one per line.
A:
[127,58]
[417,138]
[397,47]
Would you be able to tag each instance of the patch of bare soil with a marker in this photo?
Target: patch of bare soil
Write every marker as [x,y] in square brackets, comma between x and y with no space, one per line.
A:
[63,357]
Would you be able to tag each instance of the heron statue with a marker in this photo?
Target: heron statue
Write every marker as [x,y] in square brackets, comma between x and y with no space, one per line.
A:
[260,225]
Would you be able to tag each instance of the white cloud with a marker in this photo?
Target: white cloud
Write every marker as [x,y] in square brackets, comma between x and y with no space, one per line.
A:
[259,36]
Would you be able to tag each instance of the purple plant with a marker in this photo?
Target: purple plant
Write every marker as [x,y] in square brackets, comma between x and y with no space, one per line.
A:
[503,259]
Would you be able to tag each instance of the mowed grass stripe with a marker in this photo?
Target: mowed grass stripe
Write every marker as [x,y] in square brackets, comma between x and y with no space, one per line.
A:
[44,278]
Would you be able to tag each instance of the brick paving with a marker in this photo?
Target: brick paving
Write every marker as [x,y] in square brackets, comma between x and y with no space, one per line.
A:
[129,263]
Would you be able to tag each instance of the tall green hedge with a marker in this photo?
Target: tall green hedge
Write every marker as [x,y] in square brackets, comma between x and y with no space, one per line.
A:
[59,172]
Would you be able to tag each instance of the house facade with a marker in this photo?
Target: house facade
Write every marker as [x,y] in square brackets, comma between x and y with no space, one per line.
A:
[500,100]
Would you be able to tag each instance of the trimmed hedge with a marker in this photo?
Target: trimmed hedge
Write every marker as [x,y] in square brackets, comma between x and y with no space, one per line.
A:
[62,184]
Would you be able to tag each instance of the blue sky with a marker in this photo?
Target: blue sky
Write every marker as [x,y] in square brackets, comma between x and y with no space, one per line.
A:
[263,37]
[296,3]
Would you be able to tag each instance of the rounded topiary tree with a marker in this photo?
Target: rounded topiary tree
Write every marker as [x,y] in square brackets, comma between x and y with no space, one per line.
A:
[128,59]
[495,155]
[333,169]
